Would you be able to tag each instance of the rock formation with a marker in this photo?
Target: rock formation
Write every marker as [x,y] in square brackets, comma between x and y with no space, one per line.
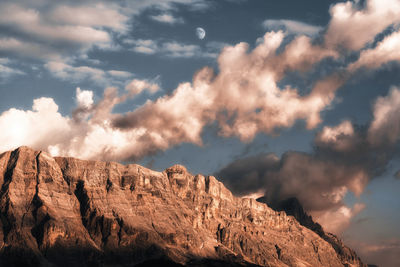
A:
[293,207]
[71,212]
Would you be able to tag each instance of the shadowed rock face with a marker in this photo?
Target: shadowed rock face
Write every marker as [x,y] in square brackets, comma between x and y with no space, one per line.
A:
[70,212]
[293,207]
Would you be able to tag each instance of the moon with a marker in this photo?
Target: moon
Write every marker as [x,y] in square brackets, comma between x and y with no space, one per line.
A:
[201,33]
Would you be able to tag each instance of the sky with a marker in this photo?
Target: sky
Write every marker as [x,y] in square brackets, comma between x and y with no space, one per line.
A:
[280,98]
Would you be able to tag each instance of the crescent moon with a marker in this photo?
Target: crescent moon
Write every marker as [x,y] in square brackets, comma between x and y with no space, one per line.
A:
[201,33]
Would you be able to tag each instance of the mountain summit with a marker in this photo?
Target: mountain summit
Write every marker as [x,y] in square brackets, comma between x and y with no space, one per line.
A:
[70,212]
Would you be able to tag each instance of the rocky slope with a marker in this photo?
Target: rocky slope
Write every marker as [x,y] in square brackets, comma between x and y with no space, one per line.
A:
[70,212]
[293,207]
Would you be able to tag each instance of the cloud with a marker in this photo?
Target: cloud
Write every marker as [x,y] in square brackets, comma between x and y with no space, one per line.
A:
[176,50]
[136,86]
[339,138]
[384,52]
[87,134]
[337,220]
[84,98]
[353,26]
[120,73]
[167,18]
[397,175]
[6,70]
[172,49]
[291,26]
[49,30]
[65,71]
[143,46]
[385,127]
[344,158]
[32,23]
[299,175]
[97,15]
[382,253]
[42,126]
[318,181]
[27,49]
[244,76]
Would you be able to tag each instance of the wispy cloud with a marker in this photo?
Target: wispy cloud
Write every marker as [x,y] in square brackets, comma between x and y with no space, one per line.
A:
[292,26]
[172,49]
[167,18]
[37,27]
[48,30]
[65,71]
[6,70]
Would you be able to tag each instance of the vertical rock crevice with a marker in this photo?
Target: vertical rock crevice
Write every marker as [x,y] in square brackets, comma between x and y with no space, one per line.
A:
[86,213]
[83,199]
[37,230]
[4,200]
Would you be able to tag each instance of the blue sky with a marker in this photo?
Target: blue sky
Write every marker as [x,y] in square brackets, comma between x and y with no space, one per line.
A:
[299,98]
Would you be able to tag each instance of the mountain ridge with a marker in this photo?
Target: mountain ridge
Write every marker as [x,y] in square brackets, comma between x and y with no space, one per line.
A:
[64,211]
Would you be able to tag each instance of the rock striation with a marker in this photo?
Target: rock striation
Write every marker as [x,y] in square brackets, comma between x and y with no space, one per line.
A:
[71,212]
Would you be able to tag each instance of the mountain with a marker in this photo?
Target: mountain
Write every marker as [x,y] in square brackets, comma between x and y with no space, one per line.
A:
[293,208]
[70,212]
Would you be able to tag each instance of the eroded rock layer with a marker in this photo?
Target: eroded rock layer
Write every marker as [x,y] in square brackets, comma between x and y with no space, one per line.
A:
[70,212]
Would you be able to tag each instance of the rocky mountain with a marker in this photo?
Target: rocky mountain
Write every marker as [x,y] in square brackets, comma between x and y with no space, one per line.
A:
[293,207]
[71,212]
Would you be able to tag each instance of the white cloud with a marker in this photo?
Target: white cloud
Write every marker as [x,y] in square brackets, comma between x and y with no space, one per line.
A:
[40,127]
[292,26]
[65,71]
[340,138]
[353,27]
[338,219]
[136,86]
[385,126]
[241,79]
[385,51]
[84,98]
[167,18]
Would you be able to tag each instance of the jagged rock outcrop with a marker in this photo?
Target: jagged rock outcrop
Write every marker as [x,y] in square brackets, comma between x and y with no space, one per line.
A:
[71,212]
[293,207]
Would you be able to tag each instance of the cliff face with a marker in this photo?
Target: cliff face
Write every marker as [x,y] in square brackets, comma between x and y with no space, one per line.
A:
[70,212]
[293,207]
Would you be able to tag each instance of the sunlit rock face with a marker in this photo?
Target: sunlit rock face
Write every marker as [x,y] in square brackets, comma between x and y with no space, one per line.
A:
[71,212]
